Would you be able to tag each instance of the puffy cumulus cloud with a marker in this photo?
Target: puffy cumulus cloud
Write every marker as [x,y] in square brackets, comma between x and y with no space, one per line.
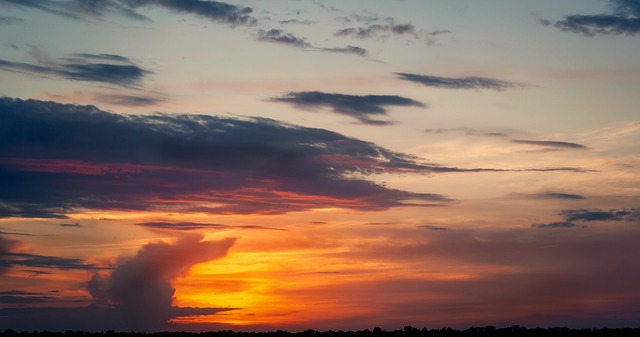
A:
[101,68]
[470,82]
[57,158]
[82,9]
[358,107]
[137,294]
[140,288]
[624,20]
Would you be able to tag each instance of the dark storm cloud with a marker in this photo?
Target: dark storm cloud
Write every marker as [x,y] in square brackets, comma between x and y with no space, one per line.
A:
[187,226]
[57,158]
[470,82]
[83,9]
[586,215]
[559,224]
[625,20]
[548,143]
[358,107]
[111,69]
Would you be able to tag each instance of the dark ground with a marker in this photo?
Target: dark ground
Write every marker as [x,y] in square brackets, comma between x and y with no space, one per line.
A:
[408,331]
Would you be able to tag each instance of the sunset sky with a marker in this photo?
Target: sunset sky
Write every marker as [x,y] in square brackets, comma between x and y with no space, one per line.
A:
[333,165]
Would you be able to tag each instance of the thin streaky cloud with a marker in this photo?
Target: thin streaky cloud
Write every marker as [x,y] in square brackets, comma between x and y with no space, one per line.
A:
[84,67]
[358,107]
[548,143]
[469,82]
[559,224]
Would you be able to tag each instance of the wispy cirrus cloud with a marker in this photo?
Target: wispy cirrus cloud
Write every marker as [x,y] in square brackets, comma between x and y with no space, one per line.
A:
[559,224]
[375,27]
[358,107]
[550,143]
[551,195]
[282,37]
[469,82]
[624,20]
[101,68]
[12,254]
[189,226]
[81,10]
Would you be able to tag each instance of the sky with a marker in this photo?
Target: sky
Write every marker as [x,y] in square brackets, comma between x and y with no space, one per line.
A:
[312,164]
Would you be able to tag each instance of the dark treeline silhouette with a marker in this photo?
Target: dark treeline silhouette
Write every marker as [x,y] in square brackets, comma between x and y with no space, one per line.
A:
[408,331]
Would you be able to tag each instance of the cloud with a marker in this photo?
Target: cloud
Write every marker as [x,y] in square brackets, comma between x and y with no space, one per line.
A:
[587,215]
[111,69]
[140,288]
[13,254]
[552,195]
[470,82]
[136,295]
[625,20]
[358,107]
[129,100]
[547,143]
[570,275]
[376,27]
[212,10]
[600,215]
[57,158]
[188,226]
[282,37]
[348,50]
[73,224]
[376,30]
[81,9]
[433,228]
[559,224]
